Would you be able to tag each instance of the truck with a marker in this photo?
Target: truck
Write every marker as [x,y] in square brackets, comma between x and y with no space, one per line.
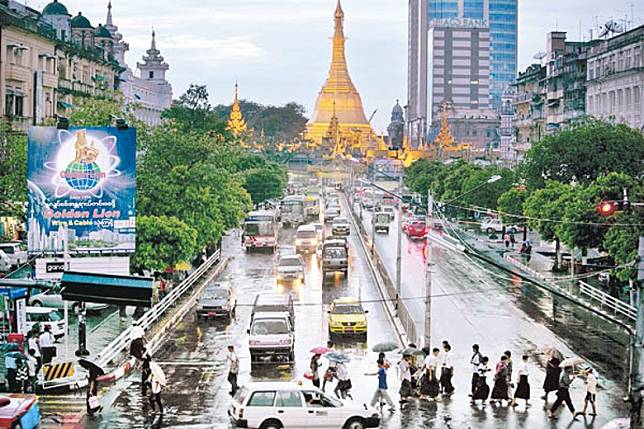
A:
[381,221]
[271,337]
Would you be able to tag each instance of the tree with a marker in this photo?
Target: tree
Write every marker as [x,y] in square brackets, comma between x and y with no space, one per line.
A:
[13,171]
[585,152]
[162,241]
[478,192]
[543,209]
[102,112]
[265,183]
[510,204]
[192,112]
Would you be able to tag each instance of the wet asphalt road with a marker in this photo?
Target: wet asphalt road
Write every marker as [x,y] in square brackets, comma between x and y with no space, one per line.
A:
[477,306]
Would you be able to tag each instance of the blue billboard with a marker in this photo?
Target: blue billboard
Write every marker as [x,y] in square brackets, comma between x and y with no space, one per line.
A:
[82,188]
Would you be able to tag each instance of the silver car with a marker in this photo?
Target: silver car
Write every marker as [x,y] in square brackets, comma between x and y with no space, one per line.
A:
[49,298]
[290,268]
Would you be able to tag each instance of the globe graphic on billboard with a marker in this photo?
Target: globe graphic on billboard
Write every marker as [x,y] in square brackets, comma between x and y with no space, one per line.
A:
[82,176]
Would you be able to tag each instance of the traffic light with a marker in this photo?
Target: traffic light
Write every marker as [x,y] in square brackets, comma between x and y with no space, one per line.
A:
[609,207]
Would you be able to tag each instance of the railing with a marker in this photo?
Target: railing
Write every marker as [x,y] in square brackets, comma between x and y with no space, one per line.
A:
[122,342]
[608,301]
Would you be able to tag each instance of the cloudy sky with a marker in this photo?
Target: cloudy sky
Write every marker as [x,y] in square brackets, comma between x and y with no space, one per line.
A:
[279,50]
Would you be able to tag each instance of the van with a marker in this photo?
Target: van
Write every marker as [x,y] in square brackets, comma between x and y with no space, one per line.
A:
[273,302]
[306,239]
[46,316]
[334,258]
[380,221]
[16,252]
[271,335]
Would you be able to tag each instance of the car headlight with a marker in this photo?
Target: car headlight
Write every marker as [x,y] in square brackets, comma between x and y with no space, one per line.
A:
[253,343]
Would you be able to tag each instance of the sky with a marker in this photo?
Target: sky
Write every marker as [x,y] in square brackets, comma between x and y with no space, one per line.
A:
[279,50]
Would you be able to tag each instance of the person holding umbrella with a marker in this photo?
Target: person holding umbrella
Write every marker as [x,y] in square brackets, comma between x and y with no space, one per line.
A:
[314,366]
[91,398]
[563,393]
[138,350]
[157,381]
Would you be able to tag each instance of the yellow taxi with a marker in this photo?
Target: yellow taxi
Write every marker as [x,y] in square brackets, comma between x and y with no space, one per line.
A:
[347,316]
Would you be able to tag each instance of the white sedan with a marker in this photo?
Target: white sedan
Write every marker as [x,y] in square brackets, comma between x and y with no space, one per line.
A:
[51,299]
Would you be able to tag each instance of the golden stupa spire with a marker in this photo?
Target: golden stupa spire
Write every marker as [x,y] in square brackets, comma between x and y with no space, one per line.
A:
[444,139]
[236,123]
[338,89]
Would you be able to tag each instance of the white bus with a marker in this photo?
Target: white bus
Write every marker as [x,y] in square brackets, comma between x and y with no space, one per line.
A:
[292,210]
[260,230]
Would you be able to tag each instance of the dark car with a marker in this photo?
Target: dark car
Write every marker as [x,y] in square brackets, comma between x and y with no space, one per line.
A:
[218,300]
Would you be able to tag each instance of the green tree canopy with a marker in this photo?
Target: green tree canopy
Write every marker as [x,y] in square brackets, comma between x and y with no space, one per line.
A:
[585,152]
[13,171]
[510,204]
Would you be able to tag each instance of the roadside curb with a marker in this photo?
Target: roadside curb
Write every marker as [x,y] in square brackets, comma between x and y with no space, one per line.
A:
[387,302]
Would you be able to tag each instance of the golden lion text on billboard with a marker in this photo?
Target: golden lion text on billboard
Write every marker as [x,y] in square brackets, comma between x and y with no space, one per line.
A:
[82,187]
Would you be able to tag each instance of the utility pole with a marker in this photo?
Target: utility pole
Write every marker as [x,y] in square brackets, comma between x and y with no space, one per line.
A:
[428,274]
[637,371]
[399,241]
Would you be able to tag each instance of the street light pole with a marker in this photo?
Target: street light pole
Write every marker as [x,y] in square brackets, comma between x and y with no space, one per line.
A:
[637,350]
[428,275]
[399,242]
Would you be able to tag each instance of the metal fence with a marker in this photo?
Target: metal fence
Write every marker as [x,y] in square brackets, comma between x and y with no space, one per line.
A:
[122,342]
[608,302]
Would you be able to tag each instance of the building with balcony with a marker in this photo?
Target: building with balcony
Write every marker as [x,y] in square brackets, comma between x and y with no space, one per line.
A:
[47,59]
[615,78]
[529,103]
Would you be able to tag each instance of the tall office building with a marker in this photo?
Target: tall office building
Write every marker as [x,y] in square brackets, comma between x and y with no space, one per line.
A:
[417,72]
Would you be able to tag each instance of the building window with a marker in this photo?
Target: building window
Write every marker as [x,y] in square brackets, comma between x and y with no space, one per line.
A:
[628,98]
[20,101]
[8,105]
[151,74]
[637,56]
[636,98]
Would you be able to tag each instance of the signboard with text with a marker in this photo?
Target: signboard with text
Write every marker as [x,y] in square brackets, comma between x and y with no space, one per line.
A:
[82,185]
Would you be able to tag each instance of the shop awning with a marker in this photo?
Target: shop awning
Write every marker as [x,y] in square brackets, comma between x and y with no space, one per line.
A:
[106,289]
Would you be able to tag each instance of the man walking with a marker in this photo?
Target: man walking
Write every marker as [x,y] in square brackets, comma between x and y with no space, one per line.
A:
[47,346]
[563,393]
[381,393]
[233,368]
[447,370]
[475,361]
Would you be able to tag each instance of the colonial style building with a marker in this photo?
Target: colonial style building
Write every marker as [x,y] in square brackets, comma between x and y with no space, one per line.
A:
[148,90]
[615,84]
[49,59]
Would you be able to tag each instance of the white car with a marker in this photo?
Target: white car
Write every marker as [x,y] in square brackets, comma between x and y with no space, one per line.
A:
[290,268]
[51,299]
[16,253]
[331,213]
[495,225]
[341,226]
[5,262]
[286,405]
[46,316]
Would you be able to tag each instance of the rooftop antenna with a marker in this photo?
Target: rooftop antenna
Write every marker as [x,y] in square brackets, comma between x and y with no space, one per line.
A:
[610,28]
[540,56]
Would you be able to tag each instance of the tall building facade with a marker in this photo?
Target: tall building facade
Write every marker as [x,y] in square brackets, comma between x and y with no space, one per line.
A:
[417,72]
[459,65]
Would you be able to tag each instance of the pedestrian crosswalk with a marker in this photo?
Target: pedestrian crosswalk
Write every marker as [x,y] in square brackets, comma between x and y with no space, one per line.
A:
[61,411]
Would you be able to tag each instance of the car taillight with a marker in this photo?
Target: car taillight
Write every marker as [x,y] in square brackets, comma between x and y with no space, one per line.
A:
[241,413]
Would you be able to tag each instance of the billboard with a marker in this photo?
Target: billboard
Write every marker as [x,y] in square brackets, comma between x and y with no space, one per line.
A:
[82,186]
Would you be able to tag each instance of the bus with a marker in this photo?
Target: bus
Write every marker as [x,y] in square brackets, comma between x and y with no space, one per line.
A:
[292,210]
[260,230]
[312,206]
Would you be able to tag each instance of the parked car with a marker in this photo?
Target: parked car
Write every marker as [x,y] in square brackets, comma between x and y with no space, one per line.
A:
[5,262]
[290,268]
[491,225]
[416,229]
[16,252]
[52,299]
[347,316]
[218,300]
[331,213]
[340,226]
[273,303]
[46,316]
[287,405]
[306,239]
[19,410]
[271,335]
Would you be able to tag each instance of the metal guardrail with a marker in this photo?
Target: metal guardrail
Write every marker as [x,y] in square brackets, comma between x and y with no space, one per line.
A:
[122,342]
[608,301]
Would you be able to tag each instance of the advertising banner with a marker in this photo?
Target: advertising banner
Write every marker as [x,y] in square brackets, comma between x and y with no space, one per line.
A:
[82,186]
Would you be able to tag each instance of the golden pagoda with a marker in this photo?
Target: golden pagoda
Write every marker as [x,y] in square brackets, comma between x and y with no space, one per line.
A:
[236,123]
[444,139]
[340,95]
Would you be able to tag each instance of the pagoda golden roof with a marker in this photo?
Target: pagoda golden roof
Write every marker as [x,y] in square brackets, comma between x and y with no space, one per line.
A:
[338,94]
[236,123]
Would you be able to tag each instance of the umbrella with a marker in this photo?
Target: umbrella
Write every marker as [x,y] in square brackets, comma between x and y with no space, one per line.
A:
[386,346]
[337,357]
[93,368]
[15,355]
[410,351]
[158,373]
[552,352]
[571,362]
[136,333]
[10,347]
[320,350]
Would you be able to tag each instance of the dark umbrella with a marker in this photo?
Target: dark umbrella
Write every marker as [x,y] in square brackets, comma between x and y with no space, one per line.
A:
[386,346]
[93,368]
[15,355]
[410,351]
[10,347]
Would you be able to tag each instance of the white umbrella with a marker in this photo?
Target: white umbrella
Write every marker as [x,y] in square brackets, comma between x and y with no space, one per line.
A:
[571,362]
[158,373]
[136,333]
